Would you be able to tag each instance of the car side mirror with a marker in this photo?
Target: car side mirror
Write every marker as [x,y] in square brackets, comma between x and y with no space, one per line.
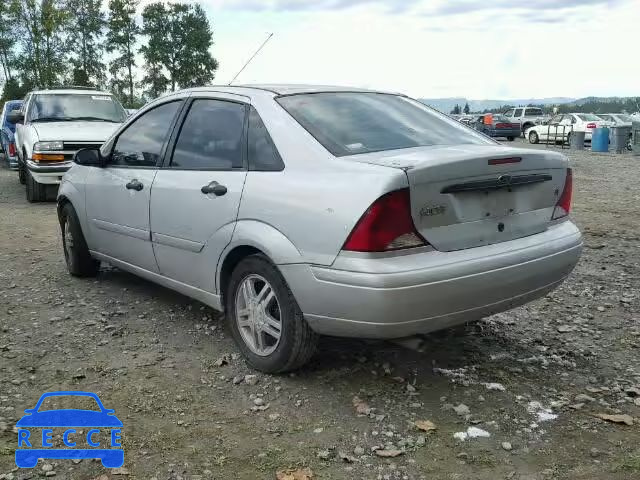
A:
[15,117]
[89,157]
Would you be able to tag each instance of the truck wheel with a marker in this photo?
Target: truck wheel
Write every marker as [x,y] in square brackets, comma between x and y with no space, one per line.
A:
[36,192]
[22,175]
[265,319]
[79,261]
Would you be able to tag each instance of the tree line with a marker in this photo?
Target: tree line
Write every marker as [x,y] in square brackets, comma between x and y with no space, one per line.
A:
[457,110]
[595,105]
[47,43]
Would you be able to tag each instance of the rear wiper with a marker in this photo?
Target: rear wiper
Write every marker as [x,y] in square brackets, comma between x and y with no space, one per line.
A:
[53,119]
[96,119]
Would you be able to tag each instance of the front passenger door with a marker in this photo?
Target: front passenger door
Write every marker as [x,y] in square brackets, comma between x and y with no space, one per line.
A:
[118,195]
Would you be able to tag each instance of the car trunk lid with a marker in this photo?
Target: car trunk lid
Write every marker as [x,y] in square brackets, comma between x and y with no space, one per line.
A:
[472,195]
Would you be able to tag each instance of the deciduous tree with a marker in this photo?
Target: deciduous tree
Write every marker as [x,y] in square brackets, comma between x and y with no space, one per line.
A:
[121,38]
[86,27]
[179,38]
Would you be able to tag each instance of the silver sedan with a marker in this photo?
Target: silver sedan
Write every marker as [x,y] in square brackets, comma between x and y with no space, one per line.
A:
[303,211]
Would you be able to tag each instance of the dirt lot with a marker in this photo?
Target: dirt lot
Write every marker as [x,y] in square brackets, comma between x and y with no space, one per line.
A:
[533,378]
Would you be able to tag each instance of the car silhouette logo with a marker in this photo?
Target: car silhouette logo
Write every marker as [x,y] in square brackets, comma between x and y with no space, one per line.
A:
[79,425]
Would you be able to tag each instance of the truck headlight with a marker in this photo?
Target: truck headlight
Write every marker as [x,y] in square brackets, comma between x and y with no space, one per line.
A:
[47,146]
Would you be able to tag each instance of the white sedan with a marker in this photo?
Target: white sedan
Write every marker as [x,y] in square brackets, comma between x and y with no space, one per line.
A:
[559,128]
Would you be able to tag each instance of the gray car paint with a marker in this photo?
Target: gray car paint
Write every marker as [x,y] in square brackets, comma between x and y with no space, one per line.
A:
[300,218]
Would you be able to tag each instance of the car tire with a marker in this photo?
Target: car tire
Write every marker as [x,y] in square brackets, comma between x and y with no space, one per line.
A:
[36,192]
[511,139]
[296,342]
[22,174]
[533,137]
[79,261]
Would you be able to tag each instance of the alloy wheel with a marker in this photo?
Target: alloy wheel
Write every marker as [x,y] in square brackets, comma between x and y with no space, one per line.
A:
[68,239]
[258,315]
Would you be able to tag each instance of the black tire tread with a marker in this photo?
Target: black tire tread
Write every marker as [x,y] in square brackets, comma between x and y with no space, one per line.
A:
[36,192]
[304,340]
[84,265]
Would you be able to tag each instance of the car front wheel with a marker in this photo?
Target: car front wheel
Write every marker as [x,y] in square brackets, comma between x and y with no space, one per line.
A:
[36,192]
[76,253]
[533,137]
[265,319]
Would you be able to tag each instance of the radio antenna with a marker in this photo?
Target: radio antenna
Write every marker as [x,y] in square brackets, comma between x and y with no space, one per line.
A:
[252,57]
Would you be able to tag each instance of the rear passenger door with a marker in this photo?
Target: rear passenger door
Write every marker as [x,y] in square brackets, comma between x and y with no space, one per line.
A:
[196,194]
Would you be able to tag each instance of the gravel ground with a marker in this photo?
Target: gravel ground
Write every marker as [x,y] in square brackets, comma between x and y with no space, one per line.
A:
[531,380]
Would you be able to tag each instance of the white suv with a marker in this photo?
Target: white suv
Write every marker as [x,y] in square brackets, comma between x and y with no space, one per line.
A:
[52,125]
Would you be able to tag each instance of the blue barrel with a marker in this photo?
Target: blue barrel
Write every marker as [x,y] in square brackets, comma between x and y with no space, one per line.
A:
[600,140]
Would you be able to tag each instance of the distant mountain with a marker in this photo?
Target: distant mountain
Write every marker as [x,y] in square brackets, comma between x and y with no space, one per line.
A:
[446,104]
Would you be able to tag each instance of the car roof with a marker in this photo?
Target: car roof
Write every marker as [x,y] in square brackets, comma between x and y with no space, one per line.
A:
[280,89]
[72,91]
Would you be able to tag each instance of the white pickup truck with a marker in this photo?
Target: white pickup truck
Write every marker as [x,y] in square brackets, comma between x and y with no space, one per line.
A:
[527,117]
[52,125]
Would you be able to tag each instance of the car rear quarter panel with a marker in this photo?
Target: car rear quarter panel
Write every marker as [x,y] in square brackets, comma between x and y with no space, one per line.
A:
[315,201]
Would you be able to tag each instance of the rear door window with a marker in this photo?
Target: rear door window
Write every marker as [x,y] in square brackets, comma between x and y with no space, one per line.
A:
[211,136]
[534,112]
[518,112]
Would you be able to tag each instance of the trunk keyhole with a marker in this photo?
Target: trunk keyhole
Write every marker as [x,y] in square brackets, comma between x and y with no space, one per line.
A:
[501,227]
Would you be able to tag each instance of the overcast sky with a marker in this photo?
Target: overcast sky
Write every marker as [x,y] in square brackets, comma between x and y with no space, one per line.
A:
[435,48]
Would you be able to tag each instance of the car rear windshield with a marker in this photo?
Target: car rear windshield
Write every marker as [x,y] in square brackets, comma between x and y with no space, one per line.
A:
[625,118]
[588,117]
[69,107]
[350,123]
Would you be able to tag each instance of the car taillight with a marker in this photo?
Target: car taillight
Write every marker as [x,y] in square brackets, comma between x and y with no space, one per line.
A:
[386,225]
[592,125]
[12,149]
[563,207]
[503,125]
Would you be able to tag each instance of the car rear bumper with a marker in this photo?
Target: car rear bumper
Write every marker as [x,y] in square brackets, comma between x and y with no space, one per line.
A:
[48,173]
[504,132]
[12,162]
[417,293]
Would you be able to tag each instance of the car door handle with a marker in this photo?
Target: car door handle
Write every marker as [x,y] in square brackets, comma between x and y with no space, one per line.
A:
[134,185]
[215,188]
